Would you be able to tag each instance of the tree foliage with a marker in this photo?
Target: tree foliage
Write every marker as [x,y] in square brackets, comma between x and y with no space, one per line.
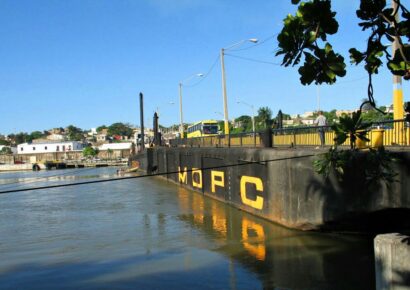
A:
[6,150]
[18,138]
[100,128]
[120,129]
[74,133]
[4,142]
[381,22]
[351,128]
[374,166]
[90,151]
[245,123]
[305,34]
[34,135]
[264,117]
[373,115]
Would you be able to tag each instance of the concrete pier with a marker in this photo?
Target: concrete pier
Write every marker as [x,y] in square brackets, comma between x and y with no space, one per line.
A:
[19,167]
[282,186]
[392,260]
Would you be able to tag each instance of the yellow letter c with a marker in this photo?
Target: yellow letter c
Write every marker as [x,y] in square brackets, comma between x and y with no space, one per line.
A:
[258,203]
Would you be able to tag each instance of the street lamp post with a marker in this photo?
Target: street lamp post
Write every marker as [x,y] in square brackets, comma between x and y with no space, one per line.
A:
[253,114]
[181,126]
[225,97]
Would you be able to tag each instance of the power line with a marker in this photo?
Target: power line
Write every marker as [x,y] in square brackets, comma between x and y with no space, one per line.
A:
[279,64]
[205,75]
[217,58]
[351,81]
[152,175]
[256,44]
[253,60]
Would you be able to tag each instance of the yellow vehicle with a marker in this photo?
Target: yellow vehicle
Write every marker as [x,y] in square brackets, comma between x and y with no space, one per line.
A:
[203,128]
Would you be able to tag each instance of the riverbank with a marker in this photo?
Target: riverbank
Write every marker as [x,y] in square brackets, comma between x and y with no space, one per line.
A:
[62,165]
[19,167]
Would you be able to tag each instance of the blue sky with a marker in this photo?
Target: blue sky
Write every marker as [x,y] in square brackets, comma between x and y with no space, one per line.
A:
[85,62]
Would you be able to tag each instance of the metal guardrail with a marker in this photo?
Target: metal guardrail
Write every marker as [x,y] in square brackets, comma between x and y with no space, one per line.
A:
[388,133]
[248,139]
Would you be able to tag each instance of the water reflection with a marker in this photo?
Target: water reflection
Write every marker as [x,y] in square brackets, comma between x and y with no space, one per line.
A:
[281,257]
[13,180]
[151,234]
[253,237]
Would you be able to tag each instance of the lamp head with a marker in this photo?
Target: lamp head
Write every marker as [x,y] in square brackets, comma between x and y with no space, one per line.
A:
[254,40]
[200,75]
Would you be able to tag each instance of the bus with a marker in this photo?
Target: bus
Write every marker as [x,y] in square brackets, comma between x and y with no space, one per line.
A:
[203,129]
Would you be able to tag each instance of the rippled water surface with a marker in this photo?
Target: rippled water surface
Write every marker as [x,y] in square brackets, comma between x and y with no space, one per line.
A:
[150,234]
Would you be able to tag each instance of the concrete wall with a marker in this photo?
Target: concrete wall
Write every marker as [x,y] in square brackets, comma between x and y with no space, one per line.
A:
[71,155]
[19,167]
[285,190]
[6,159]
[392,254]
[124,153]
[30,158]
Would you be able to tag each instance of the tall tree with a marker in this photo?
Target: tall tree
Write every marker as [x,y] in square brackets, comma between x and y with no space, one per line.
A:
[34,135]
[264,116]
[120,129]
[74,133]
[90,151]
[5,150]
[19,138]
[245,123]
[4,142]
[100,128]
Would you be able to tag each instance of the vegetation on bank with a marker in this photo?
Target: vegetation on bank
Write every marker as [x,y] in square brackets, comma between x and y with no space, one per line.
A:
[90,152]
[71,133]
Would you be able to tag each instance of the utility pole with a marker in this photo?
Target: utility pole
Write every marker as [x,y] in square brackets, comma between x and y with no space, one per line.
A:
[225,98]
[398,105]
[181,126]
[142,121]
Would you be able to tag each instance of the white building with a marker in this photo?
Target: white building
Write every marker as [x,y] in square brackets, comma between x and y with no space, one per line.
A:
[148,133]
[306,115]
[115,146]
[115,150]
[101,137]
[93,132]
[56,137]
[307,121]
[49,147]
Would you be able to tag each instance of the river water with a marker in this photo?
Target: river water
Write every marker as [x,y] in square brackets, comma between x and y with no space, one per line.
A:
[148,233]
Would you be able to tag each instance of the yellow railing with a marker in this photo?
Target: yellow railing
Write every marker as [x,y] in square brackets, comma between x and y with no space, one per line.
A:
[397,134]
[388,133]
[307,139]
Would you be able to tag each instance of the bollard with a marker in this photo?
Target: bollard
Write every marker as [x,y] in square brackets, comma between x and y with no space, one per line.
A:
[392,261]
[360,144]
[377,138]
[266,138]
